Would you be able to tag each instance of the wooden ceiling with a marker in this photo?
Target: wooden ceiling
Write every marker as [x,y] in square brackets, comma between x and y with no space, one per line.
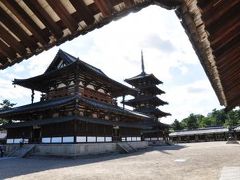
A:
[28,27]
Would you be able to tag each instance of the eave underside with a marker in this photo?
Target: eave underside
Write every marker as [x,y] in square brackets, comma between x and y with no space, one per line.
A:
[30,27]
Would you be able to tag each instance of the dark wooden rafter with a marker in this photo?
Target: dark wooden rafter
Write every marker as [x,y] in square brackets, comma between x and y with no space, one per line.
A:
[224,60]
[231,84]
[62,12]
[203,4]
[26,20]
[7,37]
[217,10]
[213,26]
[226,32]
[228,65]
[44,17]
[128,3]
[35,27]
[7,51]
[14,27]
[83,11]
[227,47]
[3,59]
[104,6]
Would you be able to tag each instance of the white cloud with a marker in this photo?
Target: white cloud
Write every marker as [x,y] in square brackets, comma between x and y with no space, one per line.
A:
[196,97]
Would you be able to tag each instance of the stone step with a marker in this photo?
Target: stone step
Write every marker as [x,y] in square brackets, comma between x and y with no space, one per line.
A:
[22,151]
[126,148]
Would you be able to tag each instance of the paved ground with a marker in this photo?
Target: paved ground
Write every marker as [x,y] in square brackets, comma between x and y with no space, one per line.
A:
[215,160]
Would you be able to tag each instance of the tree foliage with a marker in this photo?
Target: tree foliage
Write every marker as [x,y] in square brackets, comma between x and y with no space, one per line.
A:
[214,118]
[176,125]
[5,104]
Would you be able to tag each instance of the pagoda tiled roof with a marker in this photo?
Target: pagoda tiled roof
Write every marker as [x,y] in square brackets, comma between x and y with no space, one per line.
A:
[141,99]
[58,102]
[151,88]
[143,77]
[71,118]
[154,111]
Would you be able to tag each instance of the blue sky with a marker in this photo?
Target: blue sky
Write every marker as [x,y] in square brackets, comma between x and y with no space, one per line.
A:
[116,49]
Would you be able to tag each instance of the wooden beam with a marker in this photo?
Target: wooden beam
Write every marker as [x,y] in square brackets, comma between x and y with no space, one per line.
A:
[205,5]
[233,103]
[7,37]
[228,31]
[216,11]
[213,24]
[3,59]
[19,32]
[6,51]
[230,75]
[44,17]
[14,7]
[233,92]
[227,56]
[83,11]
[128,3]
[228,46]
[229,85]
[61,11]
[228,63]
[104,6]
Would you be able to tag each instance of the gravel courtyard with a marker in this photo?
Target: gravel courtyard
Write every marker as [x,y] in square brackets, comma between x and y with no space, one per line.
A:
[210,160]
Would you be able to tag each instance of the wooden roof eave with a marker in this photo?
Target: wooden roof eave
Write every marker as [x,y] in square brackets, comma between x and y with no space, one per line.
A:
[143,77]
[190,17]
[53,30]
[42,82]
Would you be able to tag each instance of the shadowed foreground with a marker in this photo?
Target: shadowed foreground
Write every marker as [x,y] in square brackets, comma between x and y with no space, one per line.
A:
[185,161]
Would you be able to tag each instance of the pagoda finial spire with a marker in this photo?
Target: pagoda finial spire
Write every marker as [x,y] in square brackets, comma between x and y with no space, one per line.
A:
[143,70]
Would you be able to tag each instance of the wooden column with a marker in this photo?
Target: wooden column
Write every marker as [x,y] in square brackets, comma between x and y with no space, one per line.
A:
[123,99]
[32,96]
[75,131]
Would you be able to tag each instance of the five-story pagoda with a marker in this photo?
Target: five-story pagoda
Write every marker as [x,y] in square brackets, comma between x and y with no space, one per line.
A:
[147,101]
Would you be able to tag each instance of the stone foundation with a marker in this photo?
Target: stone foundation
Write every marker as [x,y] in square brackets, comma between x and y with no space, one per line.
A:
[76,149]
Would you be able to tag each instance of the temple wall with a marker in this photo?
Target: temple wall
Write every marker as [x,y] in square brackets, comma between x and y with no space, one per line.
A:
[200,138]
[68,132]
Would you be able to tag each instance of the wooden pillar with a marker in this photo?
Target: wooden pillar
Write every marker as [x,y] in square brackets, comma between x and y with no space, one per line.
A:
[86,130]
[196,138]
[75,131]
[76,84]
[123,99]
[32,96]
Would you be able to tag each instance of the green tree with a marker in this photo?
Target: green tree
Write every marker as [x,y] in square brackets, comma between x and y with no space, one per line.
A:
[233,119]
[176,125]
[191,122]
[219,116]
[5,104]
[205,122]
